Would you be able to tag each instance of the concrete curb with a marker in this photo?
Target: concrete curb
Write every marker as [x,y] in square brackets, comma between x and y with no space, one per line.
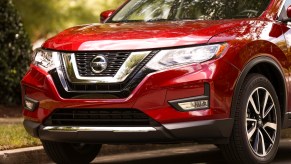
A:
[11,120]
[24,155]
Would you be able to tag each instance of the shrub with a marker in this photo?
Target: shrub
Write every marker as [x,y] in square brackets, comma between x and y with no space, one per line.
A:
[15,52]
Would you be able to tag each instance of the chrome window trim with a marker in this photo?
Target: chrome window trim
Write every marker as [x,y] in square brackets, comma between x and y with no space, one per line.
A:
[71,69]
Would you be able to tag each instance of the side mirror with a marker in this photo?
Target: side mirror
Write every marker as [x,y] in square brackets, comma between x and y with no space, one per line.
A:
[289,12]
[285,16]
[106,14]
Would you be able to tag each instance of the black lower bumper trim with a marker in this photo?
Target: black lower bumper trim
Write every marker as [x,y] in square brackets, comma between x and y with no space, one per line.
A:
[202,131]
[31,127]
[209,131]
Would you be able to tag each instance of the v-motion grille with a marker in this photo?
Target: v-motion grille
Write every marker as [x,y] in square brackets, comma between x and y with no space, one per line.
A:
[98,117]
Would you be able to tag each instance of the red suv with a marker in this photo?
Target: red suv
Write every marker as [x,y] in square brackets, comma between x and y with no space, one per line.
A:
[165,71]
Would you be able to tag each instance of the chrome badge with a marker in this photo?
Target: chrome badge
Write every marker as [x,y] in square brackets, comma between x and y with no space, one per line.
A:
[98,64]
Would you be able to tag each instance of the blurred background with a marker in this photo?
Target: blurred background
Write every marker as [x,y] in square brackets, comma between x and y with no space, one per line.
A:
[24,25]
[45,18]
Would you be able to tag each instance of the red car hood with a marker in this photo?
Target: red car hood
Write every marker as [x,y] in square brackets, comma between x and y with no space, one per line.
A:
[133,36]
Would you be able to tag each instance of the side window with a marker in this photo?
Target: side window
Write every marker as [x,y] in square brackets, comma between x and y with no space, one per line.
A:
[283,14]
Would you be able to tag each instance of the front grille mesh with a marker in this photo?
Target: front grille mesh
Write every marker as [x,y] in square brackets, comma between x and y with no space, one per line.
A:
[115,61]
[98,117]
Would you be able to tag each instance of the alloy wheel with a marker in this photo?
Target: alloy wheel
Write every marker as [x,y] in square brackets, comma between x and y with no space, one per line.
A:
[261,121]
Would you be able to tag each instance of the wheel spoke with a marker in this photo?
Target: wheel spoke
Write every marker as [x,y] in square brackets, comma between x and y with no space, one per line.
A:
[258,101]
[251,120]
[265,113]
[256,143]
[262,142]
[270,125]
[252,130]
[265,101]
[254,105]
[268,135]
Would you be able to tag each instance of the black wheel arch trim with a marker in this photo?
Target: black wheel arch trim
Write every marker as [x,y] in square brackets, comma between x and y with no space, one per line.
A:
[247,68]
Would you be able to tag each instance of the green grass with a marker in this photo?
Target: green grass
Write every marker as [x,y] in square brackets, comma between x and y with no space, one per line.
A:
[14,136]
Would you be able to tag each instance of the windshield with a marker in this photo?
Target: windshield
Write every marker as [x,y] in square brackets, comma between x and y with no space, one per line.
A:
[158,10]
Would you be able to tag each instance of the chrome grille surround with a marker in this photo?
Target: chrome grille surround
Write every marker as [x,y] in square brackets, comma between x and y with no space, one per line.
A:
[98,87]
[71,69]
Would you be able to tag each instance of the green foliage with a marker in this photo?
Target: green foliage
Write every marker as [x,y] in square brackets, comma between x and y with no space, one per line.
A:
[14,136]
[14,55]
[43,19]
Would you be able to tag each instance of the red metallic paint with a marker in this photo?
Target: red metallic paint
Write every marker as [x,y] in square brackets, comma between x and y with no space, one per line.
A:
[246,39]
[138,35]
[289,11]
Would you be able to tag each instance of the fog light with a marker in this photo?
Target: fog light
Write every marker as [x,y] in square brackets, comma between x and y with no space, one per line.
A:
[30,104]
[194,105]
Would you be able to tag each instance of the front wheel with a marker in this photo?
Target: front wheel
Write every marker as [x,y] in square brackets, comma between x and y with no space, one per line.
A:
[257,123]
[73,153]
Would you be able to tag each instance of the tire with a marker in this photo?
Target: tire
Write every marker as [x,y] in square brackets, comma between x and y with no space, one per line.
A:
[257,123]
[64,153]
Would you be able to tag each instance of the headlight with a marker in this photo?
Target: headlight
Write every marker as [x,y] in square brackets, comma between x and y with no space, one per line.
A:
[174,57]
[47,60]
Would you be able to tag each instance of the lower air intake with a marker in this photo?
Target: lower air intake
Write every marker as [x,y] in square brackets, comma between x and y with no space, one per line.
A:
[98,117]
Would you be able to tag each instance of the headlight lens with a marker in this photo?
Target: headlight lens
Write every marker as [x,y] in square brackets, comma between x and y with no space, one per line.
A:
[47,60]
[174,57]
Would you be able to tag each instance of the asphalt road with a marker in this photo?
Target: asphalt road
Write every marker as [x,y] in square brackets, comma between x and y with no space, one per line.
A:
[208,154]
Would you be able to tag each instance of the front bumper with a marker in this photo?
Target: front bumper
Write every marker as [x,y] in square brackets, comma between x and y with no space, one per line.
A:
[153,96]
[212,131]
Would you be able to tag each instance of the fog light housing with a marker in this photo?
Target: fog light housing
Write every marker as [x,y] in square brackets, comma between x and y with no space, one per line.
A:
[30,104]
[193,103]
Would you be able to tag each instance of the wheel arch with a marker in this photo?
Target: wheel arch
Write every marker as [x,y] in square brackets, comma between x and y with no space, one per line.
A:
[273,72]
